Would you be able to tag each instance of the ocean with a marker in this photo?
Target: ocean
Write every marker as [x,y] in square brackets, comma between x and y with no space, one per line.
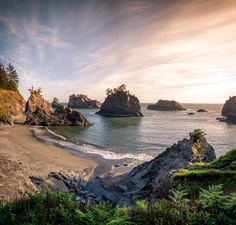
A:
[141,139]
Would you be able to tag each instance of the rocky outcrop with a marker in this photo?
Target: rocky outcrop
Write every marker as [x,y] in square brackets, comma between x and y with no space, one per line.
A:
[166,105]
[120,104]
[55,103]
[202,110]
[40,112]
[231,118]
[12,105]
[152,179]
[229,106]
[82,101]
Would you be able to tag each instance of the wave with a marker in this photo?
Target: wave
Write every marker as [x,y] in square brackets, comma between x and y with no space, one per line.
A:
[50,137]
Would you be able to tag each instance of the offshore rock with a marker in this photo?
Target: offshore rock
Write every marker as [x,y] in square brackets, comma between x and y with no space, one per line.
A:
[121,104]
[82,101]
[166,105]
[55,103]
[229,106]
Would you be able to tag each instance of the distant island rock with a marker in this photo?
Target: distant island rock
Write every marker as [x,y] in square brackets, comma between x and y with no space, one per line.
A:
[12,105]
[166,105]
[202,110]
[82,101]
[120,103]
[40,112]
[229,106]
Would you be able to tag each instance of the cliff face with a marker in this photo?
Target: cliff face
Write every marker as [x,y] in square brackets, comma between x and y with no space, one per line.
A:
[121,104]
[229,106]
[82,101]
[166,105]
[40,112]
[12,104]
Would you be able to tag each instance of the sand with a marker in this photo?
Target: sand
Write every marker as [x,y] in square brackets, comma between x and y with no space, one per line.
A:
[23,155]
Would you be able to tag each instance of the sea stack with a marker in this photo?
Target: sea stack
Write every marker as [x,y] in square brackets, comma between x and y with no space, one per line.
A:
[120,103]
[40,112]
[166,105]
[229,106]
[82,101]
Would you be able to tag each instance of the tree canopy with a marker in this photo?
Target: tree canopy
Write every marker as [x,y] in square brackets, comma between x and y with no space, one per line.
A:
[9,79]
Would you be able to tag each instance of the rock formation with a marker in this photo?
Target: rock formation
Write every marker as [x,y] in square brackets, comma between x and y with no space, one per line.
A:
[40,112]
[166,105]
[152,179]
[82,101]
[229,106]
[231,118]
[55,103]
[202,110]
[120,104]
[12,105]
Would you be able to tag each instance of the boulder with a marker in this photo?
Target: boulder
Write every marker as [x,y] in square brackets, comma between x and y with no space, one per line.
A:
[120,104]
[55,103]
[166,105]
[229,106]
[202,110]
[82,101]
[40,112]
[12,105]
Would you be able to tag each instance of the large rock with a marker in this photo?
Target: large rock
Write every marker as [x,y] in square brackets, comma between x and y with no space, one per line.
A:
[12,105]
[82,101]
[121,104]
[229,106]
[166,105]
[152,179]
[231,118]
[40,112]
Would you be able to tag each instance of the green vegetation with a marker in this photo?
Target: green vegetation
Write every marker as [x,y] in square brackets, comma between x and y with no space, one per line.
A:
[121,88]
[220,171]
[32,90]
[9,79]
[212,207]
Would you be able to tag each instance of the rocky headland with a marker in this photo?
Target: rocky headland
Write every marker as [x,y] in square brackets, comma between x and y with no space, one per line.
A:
[120,103]
[82,101]
[40,112]
[166,105]
[12,105]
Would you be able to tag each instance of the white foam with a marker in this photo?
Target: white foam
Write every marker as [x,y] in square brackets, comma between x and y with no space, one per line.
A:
[141,157]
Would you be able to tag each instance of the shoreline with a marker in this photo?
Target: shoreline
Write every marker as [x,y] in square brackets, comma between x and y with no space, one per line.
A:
[22,156]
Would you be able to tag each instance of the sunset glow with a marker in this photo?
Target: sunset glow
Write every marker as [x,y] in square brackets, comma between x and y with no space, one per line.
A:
[182,50]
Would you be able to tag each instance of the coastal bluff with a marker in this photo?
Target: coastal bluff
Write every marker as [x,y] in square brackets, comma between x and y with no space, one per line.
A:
[82,101]
[12,105]
[40,112]
[120,103]
[166,105]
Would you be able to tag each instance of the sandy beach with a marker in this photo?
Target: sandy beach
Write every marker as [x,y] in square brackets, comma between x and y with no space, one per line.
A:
[22,155]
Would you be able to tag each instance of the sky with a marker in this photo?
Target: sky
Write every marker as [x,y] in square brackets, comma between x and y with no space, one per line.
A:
[161,49]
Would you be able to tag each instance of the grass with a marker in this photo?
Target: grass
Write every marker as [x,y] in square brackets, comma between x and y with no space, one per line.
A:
[222,170]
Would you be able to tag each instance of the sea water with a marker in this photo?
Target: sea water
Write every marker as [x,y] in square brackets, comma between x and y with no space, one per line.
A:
[143,138]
